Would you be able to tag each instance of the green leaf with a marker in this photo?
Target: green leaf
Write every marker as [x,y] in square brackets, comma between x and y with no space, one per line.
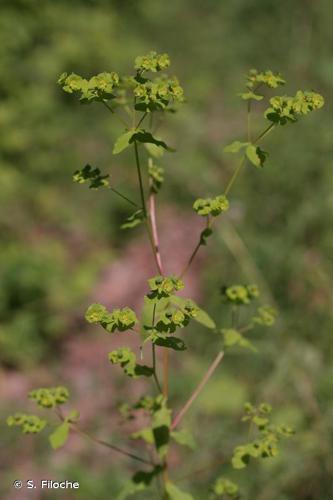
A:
[147,137]
[153,150]
[174,493]
[256,155]
[184,437]
[133,220]
[139,482]
[73,416]
[92,175]
[250,95]
[201,316]
[204,235]
[59,437]
[145,434]
[123,142]
[171,342]
[148,308]
[127,360]
[235,147]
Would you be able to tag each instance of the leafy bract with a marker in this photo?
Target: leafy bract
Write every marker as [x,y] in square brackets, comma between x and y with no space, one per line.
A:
[91,175]
[184,437]
[234,338]
[140,481]
[118,319]
[123,142]
[235,147]
[158,433]
[200,315]
[256,155]
[127,360]
[138,135]
[59,436]
[133,220]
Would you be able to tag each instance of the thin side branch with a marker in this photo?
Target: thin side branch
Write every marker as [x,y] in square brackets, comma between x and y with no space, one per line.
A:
[76,428]
[198,389]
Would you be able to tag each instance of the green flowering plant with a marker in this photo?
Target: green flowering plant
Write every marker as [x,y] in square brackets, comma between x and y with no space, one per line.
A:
[150,92]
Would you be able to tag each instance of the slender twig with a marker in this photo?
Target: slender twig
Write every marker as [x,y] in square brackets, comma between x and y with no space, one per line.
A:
[110,446]
[235,175]
[76,428]
[124,197]
[249,120]
[264,133]
[141,119]
[138,167]
[116,114]
[197,390]
[196,249]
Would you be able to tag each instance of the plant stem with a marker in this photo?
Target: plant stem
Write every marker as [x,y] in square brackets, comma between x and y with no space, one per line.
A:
[75,428]
[141,119]
[154,355]
[144,207]
[110,446]
[116,114]
[249,120]
[197,390]
[264,133]
[124,197]
[138,168]
[196,249]
[152,213]
[235,175]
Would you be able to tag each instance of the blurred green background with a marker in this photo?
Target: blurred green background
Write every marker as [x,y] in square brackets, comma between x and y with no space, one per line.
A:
[58,238]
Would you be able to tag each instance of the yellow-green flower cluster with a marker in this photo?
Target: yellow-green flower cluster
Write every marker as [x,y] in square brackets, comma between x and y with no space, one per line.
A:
[158,93]
[240,294]
[152,62]
[50,397]
[164,286]
[272,80]
[118,319]
[284,108]
[266,316]
[99,87]
[30,424]
[211,206]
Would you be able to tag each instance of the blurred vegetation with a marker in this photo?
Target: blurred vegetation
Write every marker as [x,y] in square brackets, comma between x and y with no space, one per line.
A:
[279,233]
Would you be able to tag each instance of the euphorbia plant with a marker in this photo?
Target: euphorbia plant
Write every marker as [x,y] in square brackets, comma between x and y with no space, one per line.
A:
[138,102]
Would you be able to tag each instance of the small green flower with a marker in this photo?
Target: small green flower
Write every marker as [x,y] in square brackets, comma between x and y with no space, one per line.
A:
[211,206]
[30,424]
